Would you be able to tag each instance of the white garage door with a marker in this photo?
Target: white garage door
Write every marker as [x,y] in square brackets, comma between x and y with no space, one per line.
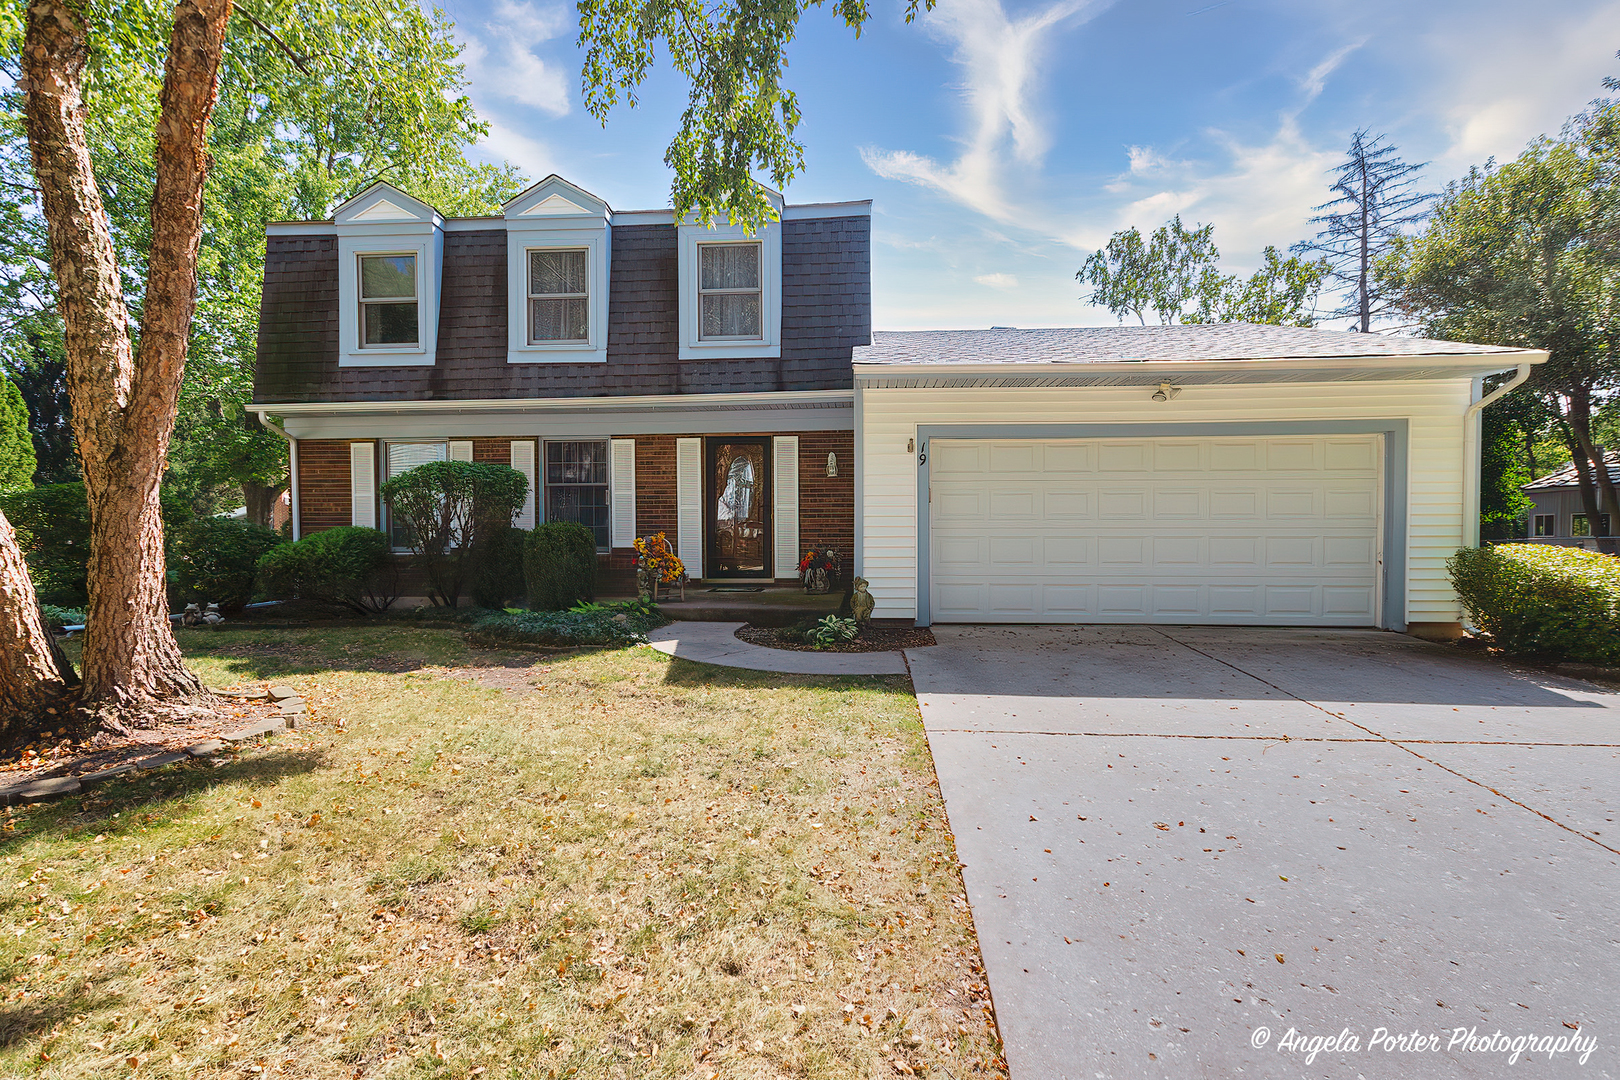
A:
[1212,530]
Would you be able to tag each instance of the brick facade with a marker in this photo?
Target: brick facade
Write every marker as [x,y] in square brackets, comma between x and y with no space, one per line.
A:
[827,503]
[324,499]
[655,484]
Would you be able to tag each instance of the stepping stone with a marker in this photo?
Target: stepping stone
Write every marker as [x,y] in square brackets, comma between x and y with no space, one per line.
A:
[157,761]
[39,790]
[206,748]
[92,779]
[279,692]
[289,704]
[253,731]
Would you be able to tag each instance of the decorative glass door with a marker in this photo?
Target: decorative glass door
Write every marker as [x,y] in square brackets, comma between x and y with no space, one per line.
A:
[739,508]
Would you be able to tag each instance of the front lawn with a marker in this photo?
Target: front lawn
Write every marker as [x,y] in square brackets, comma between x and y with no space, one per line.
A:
[480,863]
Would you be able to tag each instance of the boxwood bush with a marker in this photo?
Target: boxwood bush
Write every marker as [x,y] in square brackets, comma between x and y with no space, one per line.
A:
[347,567]
[215,560]
[498,577]
[559,564]
[451,510]
[1542,601]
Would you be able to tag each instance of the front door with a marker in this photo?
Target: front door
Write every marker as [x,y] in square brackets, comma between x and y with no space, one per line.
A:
[738,499]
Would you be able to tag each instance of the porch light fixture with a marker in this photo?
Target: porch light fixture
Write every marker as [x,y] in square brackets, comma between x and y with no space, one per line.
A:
[1165,392]
[832,464]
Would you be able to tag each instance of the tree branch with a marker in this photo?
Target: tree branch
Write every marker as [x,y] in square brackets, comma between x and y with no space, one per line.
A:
[299,62]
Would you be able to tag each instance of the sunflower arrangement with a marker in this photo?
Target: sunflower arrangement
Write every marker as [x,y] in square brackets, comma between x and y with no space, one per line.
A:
[655,555]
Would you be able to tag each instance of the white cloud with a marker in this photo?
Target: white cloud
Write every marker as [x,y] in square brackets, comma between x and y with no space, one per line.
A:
[998,281]
[533,157]
[1000,57]
[501,61]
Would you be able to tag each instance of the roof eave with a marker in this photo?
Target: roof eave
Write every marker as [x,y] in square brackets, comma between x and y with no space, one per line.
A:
[1466,363]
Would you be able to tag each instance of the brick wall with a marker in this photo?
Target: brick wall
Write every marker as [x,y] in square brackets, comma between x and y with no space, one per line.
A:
[324,500]
[827,503]
[655,484]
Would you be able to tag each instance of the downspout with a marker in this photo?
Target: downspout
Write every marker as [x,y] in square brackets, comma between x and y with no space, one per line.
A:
[292,467]
[1471,454]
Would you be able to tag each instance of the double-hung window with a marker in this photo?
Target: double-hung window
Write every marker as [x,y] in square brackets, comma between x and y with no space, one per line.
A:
[388,312]
[402,457]
[577,485]
[730,304]
[559,296]
[1546,525]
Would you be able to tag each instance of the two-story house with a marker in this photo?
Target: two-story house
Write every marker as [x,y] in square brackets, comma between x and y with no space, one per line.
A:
[644,375]
[651,375]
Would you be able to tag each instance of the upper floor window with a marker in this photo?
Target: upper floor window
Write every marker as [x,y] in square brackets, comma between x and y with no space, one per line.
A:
[729,294]
[388,301]
[559,295]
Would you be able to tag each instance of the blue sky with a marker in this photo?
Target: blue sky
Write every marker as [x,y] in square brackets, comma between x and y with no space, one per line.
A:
[1003,140]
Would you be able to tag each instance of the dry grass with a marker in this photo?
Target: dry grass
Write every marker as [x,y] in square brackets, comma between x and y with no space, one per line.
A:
[473,863]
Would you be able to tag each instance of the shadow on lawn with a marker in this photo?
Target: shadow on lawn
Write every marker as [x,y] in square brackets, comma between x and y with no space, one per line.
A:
[17,1022]
[142,801]
[691,673]
[372,649]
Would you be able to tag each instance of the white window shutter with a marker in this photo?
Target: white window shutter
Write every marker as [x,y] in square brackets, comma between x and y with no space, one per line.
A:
[461,451]
[785,493]
[363,484]
[622,498]
[523,462]
[689,505]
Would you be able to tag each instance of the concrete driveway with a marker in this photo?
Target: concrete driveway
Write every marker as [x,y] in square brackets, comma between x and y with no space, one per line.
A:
[1181,844]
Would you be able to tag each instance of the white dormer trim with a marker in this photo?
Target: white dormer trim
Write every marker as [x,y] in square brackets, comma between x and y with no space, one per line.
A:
[691,237]
[557,214]
[383,220]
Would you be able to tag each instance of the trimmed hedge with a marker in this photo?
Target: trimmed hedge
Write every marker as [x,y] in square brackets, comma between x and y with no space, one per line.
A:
[451,509]
[1543,601]
[215,560]
[559,565]
[346,567]
[588,624]
[498,575]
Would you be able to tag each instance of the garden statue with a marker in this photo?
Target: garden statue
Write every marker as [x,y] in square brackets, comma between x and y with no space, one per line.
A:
[861,602]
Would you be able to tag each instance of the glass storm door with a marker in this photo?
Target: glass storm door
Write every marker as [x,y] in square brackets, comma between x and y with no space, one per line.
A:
[739,507]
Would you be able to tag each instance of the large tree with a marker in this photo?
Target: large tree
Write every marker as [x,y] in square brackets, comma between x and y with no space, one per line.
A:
[1526,254]
[1175,274]
[124,394]
[1375,201]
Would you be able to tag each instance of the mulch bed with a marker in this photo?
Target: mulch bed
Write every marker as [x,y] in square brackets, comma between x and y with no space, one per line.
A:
[61,752]
[873,639]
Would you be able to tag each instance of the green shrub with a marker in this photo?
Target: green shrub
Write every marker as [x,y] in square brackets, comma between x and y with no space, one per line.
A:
[831,631]
[53,529]
[451,510]
[498,577]
[58,618]
[1542,601]
[593,624]
[216,560]
[347,567]
[559,565]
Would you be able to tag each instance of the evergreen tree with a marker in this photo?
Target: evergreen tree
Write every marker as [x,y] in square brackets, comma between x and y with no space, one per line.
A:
[1376,202]
[16,445]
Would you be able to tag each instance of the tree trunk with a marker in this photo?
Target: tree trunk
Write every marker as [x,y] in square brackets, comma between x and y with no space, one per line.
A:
[30,680]
[1580,422]
[124,403]
[260,500]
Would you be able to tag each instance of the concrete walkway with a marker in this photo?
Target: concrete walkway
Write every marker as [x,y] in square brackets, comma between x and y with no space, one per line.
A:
[1182,843]
[718,643]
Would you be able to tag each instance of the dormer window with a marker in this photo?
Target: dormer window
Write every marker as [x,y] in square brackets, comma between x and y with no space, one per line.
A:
[388,311]
[559,296]
[729,294]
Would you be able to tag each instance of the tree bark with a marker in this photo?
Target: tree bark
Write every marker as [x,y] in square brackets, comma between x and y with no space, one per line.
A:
[260,500]
[30,680]
[1580,422]
[124,402]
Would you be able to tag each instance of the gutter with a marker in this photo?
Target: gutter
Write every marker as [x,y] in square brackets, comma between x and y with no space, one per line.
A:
[627,402]
[1465,362]
[1471,450]
[292,468]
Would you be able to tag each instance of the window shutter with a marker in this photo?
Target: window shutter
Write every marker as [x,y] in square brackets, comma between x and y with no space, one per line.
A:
[689,505]
[363,484]
[523,462]
[461,451]
[785,491]
[622,499]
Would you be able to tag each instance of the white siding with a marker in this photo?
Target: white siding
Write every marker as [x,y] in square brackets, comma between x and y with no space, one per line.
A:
[622,500]
[523,462]
[785,496]
[689,505]
[1433,410]
[363,484]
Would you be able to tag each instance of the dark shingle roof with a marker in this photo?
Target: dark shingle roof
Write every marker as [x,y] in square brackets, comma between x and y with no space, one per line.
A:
[1102,344]
[1566,478]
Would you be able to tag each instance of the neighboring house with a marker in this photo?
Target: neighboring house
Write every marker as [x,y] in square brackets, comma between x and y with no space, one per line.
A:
[1559,516]
[727,390]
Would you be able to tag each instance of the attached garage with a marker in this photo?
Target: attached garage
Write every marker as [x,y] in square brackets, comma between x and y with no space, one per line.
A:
[1244,475]
[1221,530]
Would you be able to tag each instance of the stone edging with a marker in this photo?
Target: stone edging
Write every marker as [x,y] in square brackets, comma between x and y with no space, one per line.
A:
[289,704]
